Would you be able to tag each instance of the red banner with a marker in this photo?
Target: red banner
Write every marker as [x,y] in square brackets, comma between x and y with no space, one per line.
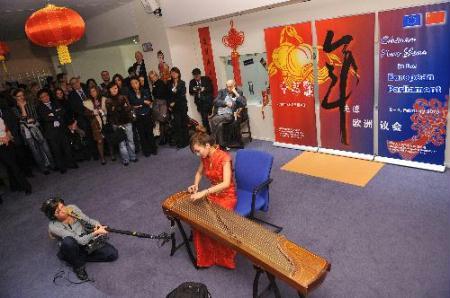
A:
[291,76]
[346,82]
[208,57]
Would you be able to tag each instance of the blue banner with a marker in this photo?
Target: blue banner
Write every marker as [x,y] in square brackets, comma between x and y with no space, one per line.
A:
[414,81]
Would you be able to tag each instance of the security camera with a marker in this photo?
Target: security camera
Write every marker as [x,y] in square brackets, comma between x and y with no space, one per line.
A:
[152,6]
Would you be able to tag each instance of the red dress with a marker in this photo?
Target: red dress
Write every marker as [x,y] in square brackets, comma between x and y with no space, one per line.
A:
[209,251]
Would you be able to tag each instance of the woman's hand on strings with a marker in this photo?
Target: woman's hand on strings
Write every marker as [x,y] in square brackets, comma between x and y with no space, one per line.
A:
[198,195]
[193,188]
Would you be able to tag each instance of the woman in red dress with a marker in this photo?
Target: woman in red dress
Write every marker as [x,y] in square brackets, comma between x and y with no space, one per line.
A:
[216,166]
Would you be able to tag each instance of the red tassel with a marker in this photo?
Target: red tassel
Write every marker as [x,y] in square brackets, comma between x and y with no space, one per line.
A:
[236,68]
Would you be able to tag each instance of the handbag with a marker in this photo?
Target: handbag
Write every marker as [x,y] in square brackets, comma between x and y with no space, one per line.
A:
[190,290]
[115,135]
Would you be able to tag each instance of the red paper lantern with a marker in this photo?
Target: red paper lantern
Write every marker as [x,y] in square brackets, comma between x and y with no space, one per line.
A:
[54,26]
[233,40]
[4,50]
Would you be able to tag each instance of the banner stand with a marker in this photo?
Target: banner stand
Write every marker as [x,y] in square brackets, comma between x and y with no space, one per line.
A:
[394,161]
[411,164]
[294,146]
[346,153]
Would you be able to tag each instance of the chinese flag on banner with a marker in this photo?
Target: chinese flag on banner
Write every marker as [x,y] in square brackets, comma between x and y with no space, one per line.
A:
[435,17]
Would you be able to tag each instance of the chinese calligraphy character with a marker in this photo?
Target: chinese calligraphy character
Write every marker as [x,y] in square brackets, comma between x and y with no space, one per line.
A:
[308,87]
[368,123]
[357,122]
[384,125]
[283,88]
[396,126]
[348,64]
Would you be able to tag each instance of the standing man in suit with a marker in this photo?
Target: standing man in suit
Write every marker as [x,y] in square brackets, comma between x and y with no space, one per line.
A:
[76,99]
[51,117]
[139,68]
[201,88]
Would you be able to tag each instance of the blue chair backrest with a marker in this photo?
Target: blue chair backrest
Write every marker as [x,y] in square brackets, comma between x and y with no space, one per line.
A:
[252,167]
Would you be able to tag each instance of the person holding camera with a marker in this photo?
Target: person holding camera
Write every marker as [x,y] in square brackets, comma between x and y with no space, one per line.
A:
[68,225]
[201,88]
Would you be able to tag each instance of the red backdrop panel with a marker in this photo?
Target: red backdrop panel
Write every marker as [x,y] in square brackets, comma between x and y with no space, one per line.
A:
[290,59]
[208,57]
[346,82]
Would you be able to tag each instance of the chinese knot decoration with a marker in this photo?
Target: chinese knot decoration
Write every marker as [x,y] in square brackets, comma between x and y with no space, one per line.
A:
[233,40]
[4,50]
[54,26]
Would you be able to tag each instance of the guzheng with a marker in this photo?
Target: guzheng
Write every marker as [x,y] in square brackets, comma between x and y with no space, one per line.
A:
[272,252]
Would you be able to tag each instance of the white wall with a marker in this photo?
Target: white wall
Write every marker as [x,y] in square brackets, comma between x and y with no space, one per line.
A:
[253,25]
[115,24]
[174,11]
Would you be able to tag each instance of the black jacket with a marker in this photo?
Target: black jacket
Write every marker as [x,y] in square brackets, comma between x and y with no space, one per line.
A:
[159,90]
[177,96]
[142,72]
[47,118]
[77,108]
[11,122]
[203,98]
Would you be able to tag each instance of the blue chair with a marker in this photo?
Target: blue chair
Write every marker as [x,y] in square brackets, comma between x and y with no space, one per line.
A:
[252,173]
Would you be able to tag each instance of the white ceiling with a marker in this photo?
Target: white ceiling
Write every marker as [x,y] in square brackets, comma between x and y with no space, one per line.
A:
[14,13]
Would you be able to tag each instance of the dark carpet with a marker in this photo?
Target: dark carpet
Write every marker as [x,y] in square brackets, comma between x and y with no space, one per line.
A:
[389,239]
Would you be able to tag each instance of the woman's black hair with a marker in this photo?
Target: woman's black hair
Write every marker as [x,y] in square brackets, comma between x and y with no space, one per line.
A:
[49,206]
[16,91]
[89,80]
[40,92]
[117,76]
[109,86]
[177,70]
[201,138]
[58,89]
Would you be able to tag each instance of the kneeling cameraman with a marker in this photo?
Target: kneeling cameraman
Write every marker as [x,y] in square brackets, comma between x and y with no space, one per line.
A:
[74,236]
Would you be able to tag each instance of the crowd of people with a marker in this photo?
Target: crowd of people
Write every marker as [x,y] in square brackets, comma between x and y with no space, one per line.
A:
[67,121]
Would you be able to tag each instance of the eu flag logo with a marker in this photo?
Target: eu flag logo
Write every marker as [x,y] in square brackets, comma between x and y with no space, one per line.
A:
[412,20]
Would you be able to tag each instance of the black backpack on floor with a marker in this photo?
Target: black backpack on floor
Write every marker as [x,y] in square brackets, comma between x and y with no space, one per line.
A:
[190,290]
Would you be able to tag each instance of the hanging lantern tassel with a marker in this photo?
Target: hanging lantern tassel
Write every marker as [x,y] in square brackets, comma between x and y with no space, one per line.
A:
[236,68]
[3,60]
[63,54]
